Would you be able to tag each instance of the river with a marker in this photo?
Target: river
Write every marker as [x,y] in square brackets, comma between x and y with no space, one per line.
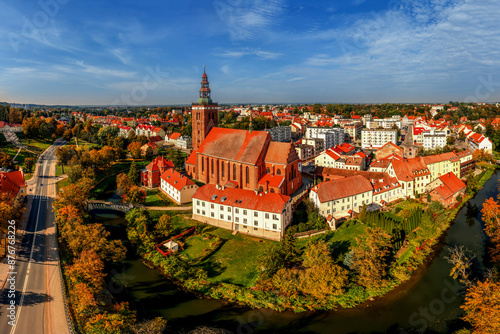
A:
[429,301]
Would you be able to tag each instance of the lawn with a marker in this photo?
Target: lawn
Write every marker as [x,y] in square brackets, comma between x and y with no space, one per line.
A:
[82,143]
[153,199]
[237,260]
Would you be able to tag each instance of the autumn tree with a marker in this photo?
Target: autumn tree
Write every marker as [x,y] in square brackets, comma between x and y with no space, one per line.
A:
[135,150]
[123,184]
[6,160]
[491,218]
[164,226]
[135,195]
[88,268]
[482,307]
[75,194]
[151,326]
[371,258]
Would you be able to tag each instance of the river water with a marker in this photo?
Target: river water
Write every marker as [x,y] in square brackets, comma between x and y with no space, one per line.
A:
[430,301]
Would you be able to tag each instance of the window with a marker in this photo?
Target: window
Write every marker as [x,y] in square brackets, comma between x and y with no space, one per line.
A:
[343,208]
[245,221]
[198,211]
[212,166]
[237,219]
[267,215]
[222,208]
[212,205]
[255,229]
[234,172]
[202,164]
[228,172]
[236,211]
[228,209]
[275,217]
[255,214]
[222,168]
[275,226]
[248,174]
[228,217]
[278,171]
[221,216]
[245,212]
[203,204]
[268,171]
[244,226]
[212,214]
[197,202]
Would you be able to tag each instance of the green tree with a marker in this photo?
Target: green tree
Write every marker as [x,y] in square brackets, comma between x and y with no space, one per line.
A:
[134,174]
[29,163]
[164,227]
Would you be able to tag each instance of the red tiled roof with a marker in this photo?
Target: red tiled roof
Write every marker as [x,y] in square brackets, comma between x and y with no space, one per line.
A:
[340,188]
[241,198]
[159,162]
[431,159]
[191,160]
[176,179]
[174,136]
[407,169]
[155,138]
[11,182]
[278,152]
[452,182]
[237,145]
[274,180]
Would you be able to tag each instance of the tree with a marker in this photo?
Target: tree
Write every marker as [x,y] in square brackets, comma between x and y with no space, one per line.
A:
[135,149]
[482,307]
[461,260]
[164,226]
[89,269]
[123,184]
[491,218]
[371,258]
[6,160]
[134,174]
[149,153]
[135,195]
[29,163]
[152,326]
[75,194]
[450,141]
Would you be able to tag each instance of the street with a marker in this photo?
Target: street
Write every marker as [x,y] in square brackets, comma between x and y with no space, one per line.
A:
[38,296]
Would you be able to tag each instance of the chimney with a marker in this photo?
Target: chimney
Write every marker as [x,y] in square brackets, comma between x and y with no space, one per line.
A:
[217,186]
[256,191]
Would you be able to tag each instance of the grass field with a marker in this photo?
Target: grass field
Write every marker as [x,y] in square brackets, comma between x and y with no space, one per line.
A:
[153,199]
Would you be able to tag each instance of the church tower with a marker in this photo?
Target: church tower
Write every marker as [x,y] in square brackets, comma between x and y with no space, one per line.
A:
[204,113]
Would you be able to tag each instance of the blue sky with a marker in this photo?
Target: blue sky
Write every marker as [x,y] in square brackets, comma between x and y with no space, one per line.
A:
[153,52]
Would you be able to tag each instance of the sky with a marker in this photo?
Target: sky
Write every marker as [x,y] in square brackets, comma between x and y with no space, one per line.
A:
[152,52]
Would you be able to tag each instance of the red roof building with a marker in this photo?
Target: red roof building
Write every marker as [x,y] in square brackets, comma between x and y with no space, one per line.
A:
[12,183]
[150,177]
[179,188]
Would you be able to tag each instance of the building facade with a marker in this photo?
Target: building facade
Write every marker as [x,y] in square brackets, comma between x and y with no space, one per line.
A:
[205,113]
[377,138]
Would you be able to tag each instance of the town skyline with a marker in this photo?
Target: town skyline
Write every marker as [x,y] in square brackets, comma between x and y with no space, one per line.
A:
[66,53]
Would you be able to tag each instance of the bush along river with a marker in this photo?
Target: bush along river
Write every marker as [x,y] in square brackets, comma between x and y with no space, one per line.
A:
[428,302]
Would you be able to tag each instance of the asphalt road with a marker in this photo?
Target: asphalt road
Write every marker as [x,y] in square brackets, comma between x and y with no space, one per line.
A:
[39,307]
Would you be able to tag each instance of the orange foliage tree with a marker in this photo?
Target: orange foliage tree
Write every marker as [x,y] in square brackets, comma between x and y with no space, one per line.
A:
[482,307]
[491,217]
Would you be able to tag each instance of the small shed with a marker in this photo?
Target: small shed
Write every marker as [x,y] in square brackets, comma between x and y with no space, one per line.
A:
[171,245]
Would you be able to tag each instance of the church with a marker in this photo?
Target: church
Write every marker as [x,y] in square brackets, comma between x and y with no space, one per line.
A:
[242,159]
[248,177]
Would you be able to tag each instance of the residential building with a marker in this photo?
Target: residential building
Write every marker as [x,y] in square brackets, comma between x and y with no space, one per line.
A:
[412,174]
[125,131]
[384,123]
[281,133]
[377,138]
[467,162]
[387,150]
[353,130]
[12,183]
[184,142]
[149,130]
[440,164]
[446,189]
[259,214]
[305,152]
[342,197]
[179,188]
[154,148]
[317,144]
[331,136]
[150,176]
[433,139]
[477,141]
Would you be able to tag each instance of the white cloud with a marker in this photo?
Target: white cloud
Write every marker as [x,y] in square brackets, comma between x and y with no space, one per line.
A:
[99,71]
[249,52]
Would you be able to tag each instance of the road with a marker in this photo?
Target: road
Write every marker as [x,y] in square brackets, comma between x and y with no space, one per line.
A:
[38,295]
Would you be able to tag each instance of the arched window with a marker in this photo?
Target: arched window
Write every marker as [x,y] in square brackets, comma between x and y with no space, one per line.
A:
[278,172]
[268,170]
[212,166]
[228,172]
[202,165]
[234,172]
[261,189]
[222,168]
[248,175]
[272,190]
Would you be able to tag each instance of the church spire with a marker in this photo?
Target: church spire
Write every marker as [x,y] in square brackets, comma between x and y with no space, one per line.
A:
[204,97]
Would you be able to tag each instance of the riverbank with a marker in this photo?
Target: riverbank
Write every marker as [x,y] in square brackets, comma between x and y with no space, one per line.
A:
[419,252]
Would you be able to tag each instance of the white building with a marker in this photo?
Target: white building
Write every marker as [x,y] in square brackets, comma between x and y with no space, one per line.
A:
[331,136]
[433,139]
[377,138]
[477,141]
[259,214]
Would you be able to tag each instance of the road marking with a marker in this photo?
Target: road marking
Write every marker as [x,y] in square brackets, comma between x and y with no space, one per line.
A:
[29,265]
